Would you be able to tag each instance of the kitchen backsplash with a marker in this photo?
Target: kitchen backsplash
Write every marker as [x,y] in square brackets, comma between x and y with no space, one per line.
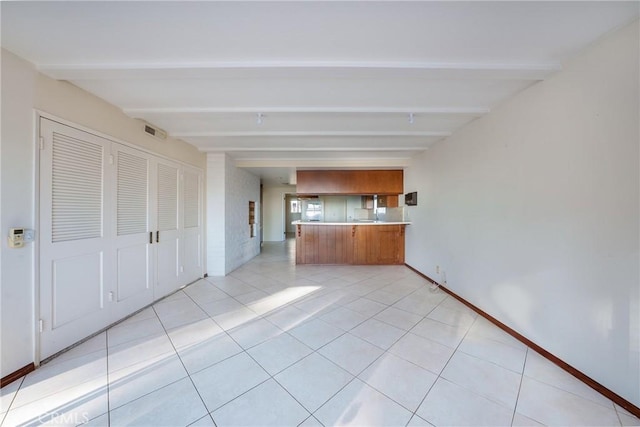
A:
[347,209]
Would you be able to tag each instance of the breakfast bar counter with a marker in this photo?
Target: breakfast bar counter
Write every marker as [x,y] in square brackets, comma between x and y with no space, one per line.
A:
[364,242]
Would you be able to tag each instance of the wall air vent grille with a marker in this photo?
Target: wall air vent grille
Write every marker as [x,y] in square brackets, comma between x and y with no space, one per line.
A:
[155,132]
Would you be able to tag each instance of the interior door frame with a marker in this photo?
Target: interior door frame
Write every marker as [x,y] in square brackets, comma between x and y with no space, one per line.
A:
[35,282]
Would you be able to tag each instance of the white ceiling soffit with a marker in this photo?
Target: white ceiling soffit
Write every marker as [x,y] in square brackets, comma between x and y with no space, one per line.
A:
[306,84]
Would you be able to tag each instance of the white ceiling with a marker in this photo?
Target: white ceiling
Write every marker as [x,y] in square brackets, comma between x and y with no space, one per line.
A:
[335,83]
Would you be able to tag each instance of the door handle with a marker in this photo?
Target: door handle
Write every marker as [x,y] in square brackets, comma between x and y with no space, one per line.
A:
[151,237]
[157,236]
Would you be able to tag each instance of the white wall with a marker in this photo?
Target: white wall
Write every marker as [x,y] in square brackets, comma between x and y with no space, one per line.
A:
[273,199]
[229,191]
[533,213]
[17,201]
[241,188]
[24,91]
[216,213]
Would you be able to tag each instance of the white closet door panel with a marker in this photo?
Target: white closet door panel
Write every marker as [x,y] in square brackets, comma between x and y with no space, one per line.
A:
[168,177]
[134,273]
[132,193]
[77,188]
[191,199]
[192,232]
[78,287]
[132,212]
[75,266]
[167,238]
[192,256]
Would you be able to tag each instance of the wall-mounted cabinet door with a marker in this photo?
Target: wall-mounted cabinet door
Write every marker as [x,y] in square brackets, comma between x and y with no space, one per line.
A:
[355,182]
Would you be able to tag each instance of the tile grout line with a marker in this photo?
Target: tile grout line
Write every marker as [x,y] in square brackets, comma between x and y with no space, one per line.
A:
[374,361]
[314,351]
[183,365]
[341,335]
[515,408]
[147,393]
[106,341]
[6,413]
[571,392]
[415,413]
[252,358]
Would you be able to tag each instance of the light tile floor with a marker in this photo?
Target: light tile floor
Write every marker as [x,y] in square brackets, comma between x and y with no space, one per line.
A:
[285,345]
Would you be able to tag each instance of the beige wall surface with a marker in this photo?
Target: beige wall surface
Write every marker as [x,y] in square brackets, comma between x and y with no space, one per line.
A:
[17,209]
[66,101]
[532,212]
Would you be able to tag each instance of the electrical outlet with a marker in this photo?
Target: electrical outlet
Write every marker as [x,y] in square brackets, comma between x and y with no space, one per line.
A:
[437,269]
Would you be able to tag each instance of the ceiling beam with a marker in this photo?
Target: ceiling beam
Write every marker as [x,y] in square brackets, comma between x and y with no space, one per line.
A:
[289,68]
[311,149]
[471,111]
[308,133]
[329,163]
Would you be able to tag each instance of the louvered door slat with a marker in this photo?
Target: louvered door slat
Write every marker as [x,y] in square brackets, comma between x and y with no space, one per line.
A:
[191,200]
[77,189]
[167,197]
[132,190]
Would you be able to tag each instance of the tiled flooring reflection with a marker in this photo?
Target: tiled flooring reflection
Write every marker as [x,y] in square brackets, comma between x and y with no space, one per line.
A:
[275,344]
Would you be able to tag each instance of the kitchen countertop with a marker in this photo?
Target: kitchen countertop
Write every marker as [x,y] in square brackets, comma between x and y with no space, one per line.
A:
[369,222]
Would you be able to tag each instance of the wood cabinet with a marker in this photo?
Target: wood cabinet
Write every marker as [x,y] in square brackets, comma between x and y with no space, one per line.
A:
[383,202]
[378,244]
[350,244]
[350,182]
[324,244]
[388,201]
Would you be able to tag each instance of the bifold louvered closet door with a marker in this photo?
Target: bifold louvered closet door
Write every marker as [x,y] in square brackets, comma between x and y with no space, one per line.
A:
[167,237]
[112,232]
[192,221]
[131,208]
[76,266]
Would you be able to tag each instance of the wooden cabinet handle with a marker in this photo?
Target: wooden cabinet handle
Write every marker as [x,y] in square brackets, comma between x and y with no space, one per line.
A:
[299,227]
[353,230]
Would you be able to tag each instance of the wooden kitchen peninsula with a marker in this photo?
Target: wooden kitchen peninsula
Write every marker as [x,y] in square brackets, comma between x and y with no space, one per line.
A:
[359,242]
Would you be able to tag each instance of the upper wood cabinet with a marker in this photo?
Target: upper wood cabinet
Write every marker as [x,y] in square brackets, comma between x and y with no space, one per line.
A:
[350,182]
[388,201]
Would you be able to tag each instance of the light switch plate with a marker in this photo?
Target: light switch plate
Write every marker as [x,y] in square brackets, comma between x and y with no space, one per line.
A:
[29,235]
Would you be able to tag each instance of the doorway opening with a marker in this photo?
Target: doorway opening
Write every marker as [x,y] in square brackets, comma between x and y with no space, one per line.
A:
[292,212]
